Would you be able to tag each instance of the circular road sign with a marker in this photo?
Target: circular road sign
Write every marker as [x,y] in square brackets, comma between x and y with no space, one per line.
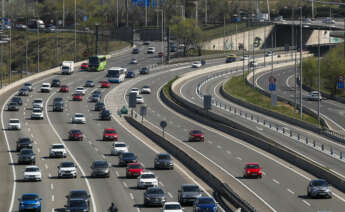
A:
[163,124]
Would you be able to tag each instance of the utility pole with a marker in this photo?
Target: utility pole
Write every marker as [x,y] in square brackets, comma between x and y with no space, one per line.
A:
[145,12]
[318,67]
[126,13]
[117,13]
[63,13]
[75,30]
[38,39]
[96,39]
[196,12]
[205,12]
[312,9]
[301,67]
[163,35]
[268,10]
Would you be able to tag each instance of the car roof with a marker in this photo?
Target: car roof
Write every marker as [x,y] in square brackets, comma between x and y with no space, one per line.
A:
[147,172]
[252,164]
[58,145]
[109,129]
[33,194]
[186,185]
[171,203]
[27,167]
[14,119]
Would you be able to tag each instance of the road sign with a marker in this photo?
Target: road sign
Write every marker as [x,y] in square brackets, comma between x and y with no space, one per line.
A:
[340,83]
[132,103]
[274,99]
[272,83]
[163,125]
[207,102]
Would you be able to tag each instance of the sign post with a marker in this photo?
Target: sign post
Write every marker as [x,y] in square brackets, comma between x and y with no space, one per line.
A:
[340,83]
[207,102]
[143,111]
[132,103]
[163,125]
[272,87]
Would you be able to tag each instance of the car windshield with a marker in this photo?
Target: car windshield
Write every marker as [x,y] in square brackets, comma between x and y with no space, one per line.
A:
[24,140]
[16,99]
[64,86]
[32,169]
[110,131]
[128,155]
[89,81]
[101,164]
[134,166]
[196,132]
[27,84]
[120,145]
[26,151]
[191,189]
[78,203]
[172,207]
[252,166]
[78,194]
[147,176]
[93,60]
[37,110]
[164,157]
[206,201]
[75,131]
[155,191]
[146,86]
[13,103]
[29,197]
[80,89]
[58,99]
[67,164]
[100,104]
[23,89]
[45,85]
[320,183]
[79,115]
[14,121]
[38,101]
[58,146]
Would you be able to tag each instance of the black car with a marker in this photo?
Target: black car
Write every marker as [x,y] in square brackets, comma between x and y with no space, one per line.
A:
[77,205]
[130,74]
[17,99]
[98,92]
[58,107]
[12,106]
[135,51]
[26,156]
[23,91]
[79,194]
[127,157]
[58,100]
[173,48]
[163,161]
[188,193]
[154,196]
[105,115]
[146,43]
[56,83]
[24,143]
[99,106]
[144,70]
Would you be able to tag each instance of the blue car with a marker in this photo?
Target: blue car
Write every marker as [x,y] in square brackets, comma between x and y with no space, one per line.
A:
[30,202]
[205,204]
[130,74]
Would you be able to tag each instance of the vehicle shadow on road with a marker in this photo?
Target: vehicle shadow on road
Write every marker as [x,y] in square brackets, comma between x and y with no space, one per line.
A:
[304,196]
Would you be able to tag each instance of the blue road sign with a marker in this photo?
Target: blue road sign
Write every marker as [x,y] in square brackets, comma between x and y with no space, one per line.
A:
[272,83]
[340,83]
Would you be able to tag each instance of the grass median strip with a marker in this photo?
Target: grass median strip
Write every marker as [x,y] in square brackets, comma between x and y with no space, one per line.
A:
[237,88]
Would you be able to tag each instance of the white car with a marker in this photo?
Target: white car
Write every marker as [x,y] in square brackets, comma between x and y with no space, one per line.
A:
[314,96]
[196,64]
[134,61]
[245,57]
[57,150]
[37,113]
[147,179]
[80,90]
[135,90]
[78,118]
[253,64]
[328,20]
[32,173]
[37,103]
[145,90]
[140,99]
[118,147]
[28,85]
[67,169]
[172,207]
[151,50]
[14,124]
[46,87]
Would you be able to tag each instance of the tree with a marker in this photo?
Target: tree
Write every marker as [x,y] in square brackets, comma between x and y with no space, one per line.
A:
[309,71]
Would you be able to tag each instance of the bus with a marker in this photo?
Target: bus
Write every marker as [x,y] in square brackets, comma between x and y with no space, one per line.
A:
[97,63]
[116,74]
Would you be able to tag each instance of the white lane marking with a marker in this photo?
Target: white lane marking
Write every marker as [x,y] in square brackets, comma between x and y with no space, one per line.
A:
[210,142]
[53,198]
[264,173]
[307,203]
[117,173]
[138,209]
[38,150]
[229,152]
[32,135]
[276,181]
[24,112]
[52,186]
[170,195]
[238,158]
[29,129]
[288,79]
[96,149]
[49,175]
[103,156]
[160,183]
[46,166]
[219,147]
[290,191]
[259,128]
[131,195]
[125,184]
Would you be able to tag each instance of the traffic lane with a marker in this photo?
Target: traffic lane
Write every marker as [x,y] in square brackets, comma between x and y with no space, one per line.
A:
[214,149]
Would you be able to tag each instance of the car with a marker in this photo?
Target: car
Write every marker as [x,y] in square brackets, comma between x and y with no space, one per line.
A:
[58,100]
[279,18]
[230,58]
[196,64]
[26,156]
[80,90]
[79,194]
[79,118]
[75,135]
[17,99]
[319,188]
[147,179]
[105,84]
[134,61]
[109,134]
[253,64]
[328,20]
[99,106]
[32,173]
[140,99]
[205,204]
[127,157]
[151,50]
[76,205]
[135,51]
[50,28]
[244,57]
[163,161]
[57,151]
[77,97]
[37,103]
[14,124]
[118,148]
[84,67]
[172,207]
[89,83]
[252,170]
[130,74]
[23,143]
[56,83]
[95,98]
[100,168]
[154,196]
[12,106]
[307,21]
[134,170]
[160,54]
[268,53]
[314,96]
[37,113]
[30,202]
[28,85]
[64,89]
[45,87]
[144,70]
[196,135]
[135,90]
[146,43]
[105,115]
[24,91]
[145,89]
[58,106]
[67,169]
[188,193]
[173,49]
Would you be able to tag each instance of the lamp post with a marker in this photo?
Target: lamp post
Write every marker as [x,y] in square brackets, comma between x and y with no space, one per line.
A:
[75,30]
[301,67]
[162,33]
[318,68]
[96,34]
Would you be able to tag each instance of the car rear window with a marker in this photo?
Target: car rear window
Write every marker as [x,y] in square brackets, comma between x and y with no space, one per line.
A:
[135,166]
[191,188]
[252,166]
[29,197]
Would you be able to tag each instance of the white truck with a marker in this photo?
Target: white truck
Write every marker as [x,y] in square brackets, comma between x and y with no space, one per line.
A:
[67,67]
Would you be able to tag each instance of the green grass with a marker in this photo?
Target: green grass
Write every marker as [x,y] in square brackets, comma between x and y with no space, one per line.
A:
[167,87]
[239,89]
[217,32]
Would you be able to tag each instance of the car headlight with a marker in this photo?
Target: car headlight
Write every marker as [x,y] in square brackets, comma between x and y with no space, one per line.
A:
[37,203]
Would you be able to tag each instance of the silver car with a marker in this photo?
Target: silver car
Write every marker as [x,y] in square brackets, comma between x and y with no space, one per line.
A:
[100,168]
[319,188]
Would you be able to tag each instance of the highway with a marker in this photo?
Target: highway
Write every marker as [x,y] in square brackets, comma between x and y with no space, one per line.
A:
[53,129]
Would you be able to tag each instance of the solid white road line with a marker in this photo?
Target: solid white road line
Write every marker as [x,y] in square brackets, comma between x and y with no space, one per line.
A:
[307,203]
[289,190]
[131,195]
[276,181]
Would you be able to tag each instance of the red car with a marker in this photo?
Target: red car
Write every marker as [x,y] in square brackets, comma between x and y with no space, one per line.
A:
[105,84]
[64,89]
[77,97]
[196,135]
[160,54]
[84,67]
[252,170]
[134,170]
[75,135]
[109,134]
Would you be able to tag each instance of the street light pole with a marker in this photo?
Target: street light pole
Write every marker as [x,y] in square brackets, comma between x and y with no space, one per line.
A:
[117,13]
[75,30]
[96,39]
[301,67]
[145,12]
[318,67]
[162,35]
[205,12]
[38,39]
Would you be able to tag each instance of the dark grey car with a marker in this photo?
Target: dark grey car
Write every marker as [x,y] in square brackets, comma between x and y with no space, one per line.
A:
[154,196]
[100,168]
[188,193]
[26,156]
[79,194]
[24,91]
[13,106]
[24,143]
[163,161]
[95,98]
[319,188]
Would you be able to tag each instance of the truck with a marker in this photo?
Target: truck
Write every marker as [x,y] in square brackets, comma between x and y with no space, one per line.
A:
[67,67]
